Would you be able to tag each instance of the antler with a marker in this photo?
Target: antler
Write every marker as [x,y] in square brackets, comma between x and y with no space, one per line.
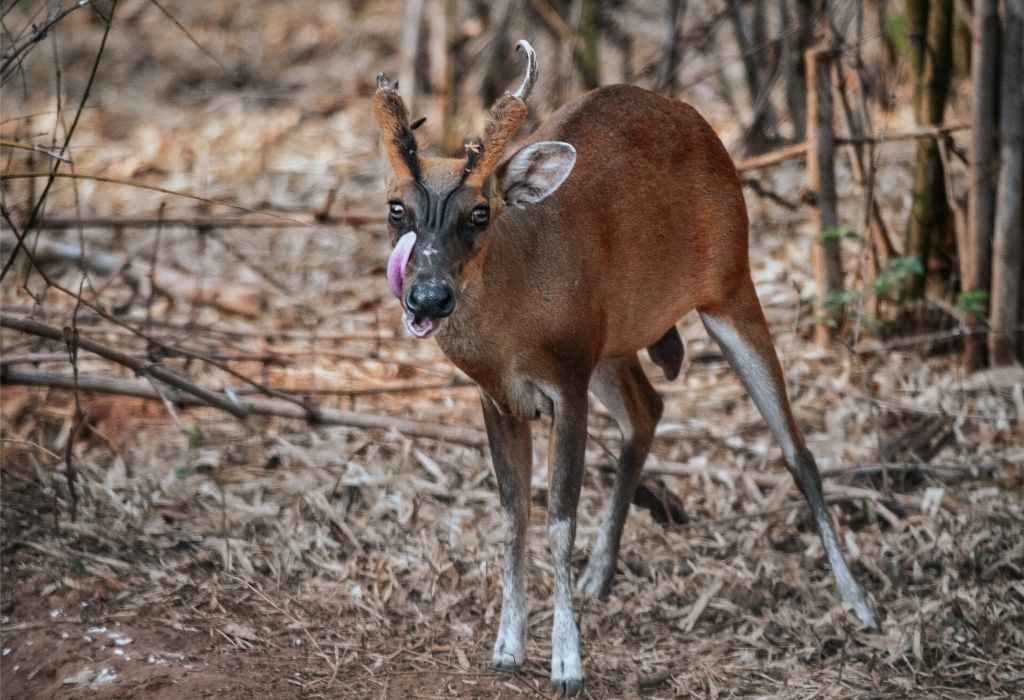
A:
[506,117]
[531,71]
[396,133]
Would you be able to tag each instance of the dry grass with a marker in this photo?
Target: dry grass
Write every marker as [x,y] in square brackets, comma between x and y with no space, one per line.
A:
[275,559]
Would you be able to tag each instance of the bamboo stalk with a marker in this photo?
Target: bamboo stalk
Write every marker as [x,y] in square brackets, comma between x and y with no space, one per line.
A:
[825,253]
[975,243]
[1007,238]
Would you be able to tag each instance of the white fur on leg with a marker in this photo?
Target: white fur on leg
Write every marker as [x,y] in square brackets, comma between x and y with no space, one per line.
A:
[566,668]
[599,570]
[758,379]
[849,590]
[510,643]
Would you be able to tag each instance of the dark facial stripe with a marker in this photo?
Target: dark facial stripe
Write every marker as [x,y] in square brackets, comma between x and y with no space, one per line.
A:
[434,206]
[405,141]
[473,154]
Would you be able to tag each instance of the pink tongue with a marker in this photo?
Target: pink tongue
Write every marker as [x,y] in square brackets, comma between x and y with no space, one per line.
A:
[398,260]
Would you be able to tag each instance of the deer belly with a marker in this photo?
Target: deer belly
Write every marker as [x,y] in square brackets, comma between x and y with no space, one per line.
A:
[644,313]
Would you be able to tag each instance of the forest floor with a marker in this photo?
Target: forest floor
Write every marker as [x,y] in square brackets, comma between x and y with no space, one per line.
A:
[273,558]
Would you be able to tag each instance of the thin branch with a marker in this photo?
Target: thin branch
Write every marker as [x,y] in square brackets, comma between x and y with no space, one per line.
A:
[231,407]
[35,148]
[799,150]
[278,220]
[51,176]
[152,188]
[195,42]
[140,388]
[232,298]
[140,367]
[920,132]
[766,160]
[39,33]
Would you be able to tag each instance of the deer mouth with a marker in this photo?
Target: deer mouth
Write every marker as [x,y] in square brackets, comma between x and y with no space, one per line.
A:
[418,326]
[421,326]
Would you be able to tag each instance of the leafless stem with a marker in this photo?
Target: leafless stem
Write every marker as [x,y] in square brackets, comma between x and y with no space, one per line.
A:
[193,397]
[51,176]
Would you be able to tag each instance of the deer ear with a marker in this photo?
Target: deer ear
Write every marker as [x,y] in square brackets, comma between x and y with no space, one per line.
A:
[536,171]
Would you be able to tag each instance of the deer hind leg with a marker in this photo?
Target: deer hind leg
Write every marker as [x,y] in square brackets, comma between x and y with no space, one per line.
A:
[743,335]
[620,384]
[512,455]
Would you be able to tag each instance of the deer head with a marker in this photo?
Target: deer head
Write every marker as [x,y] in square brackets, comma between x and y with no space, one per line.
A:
[440,210]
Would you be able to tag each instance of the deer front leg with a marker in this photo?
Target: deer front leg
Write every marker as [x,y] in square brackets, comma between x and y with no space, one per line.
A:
[512,455]
[565,469]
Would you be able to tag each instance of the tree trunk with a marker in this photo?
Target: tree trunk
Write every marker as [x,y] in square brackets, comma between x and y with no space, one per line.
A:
[497,70]
[410,71]
[1009,239]
[444,50]
[793,47]
[825,255]
[762,132]
[976,244]
[669,80]
[858,125]
[963,37]
[931,50]
[587,55]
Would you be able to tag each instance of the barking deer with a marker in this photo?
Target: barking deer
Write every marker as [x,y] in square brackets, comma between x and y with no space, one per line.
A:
[544,274]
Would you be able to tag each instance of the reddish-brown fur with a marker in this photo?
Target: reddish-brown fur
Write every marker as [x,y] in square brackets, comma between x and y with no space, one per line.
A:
[652,218]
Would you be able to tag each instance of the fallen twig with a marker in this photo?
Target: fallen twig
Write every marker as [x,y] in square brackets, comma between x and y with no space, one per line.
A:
[140,388]
[140,367]
[766,480]
[258,219]
[702,603]
[232,298]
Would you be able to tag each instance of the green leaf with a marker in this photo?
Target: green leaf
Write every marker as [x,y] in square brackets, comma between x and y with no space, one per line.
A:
[871,323]
[837,300]
[835,233]
[181,472]
[910,265]
[882,285]
[974,302]
[896,31]
[195,436]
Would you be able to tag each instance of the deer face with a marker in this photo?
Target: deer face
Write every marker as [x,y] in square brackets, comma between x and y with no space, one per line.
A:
[441,209]
[437,224]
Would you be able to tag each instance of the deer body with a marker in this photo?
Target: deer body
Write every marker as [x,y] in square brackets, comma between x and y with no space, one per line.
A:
[544,275]
[650,224]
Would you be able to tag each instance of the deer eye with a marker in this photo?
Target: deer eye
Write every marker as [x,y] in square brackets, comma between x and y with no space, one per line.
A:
[396,211]
[480,216]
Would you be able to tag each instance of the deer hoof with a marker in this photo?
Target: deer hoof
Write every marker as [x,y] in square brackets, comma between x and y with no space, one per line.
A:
[505,662]
[596,579]
[566,687]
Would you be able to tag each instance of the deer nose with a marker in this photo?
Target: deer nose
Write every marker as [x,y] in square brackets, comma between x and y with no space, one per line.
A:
[432,300]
